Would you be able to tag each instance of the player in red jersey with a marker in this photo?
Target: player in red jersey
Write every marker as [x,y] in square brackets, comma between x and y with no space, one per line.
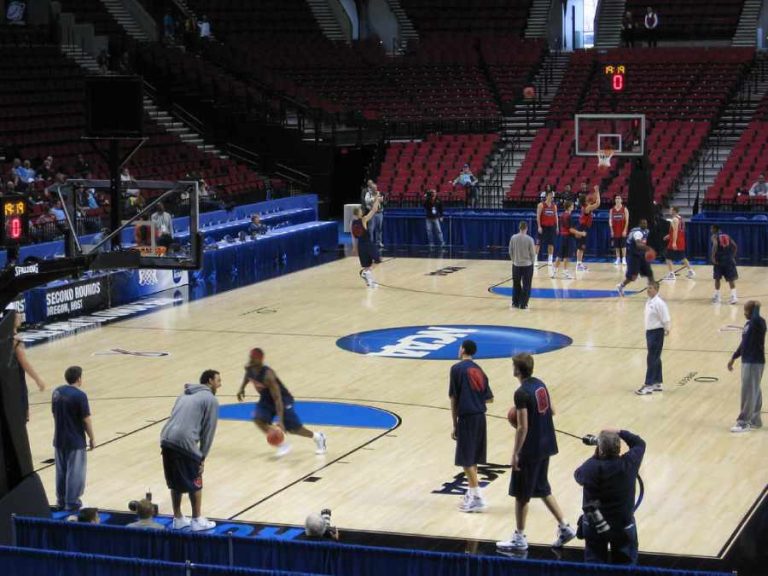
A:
[619,220]
[589,203]
[676,244]
[546,220]
[568,233]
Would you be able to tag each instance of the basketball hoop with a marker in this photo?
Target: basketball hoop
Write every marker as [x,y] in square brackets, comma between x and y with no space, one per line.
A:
[604,156]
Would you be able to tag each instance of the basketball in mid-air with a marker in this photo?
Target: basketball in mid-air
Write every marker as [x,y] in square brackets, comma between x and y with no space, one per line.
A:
[650,255]
[529,92]
[512,417]
[275,436]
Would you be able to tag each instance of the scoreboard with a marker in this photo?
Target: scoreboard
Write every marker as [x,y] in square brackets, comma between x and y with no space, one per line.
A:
[15,216]
[615,74]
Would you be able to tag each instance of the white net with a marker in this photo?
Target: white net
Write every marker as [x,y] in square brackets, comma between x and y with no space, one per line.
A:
[604,158]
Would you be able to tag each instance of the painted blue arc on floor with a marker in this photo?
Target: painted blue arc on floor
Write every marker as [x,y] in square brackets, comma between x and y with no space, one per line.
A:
[443,342]
[322,414]
[562,293]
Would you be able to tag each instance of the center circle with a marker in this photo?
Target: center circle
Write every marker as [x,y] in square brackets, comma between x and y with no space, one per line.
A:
[442,342]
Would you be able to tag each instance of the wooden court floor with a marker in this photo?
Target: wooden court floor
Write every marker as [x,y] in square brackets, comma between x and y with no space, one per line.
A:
[700,480]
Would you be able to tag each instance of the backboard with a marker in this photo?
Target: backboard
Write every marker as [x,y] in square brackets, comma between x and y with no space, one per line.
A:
[624,134]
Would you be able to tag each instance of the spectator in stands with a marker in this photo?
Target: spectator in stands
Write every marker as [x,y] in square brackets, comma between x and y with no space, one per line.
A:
[57,211]
[45,171]
[146,521]
[16,13]
[759,188]
[651,26]
[169,27]
[82,168]
[609,482]
[72,421]
[433,209]
[103,61]
[375,224]
[162,223]
[256,226]
[205,28]
[628,30]
[133,193]
[468,180]
[14,175]
[567,194]
[26,173]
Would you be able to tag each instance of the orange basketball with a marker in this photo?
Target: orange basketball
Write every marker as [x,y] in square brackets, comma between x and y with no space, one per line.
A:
[529,92]
[650,255]
[512,417]
[275,436]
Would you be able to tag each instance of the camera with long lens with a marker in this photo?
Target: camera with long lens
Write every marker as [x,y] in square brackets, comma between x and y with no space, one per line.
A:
[133,505]
[589,440]
[325,514]
[595,517]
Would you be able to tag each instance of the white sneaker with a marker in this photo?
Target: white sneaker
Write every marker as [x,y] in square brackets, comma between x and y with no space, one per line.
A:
[553,273]
[623,261]
[567,275]
[617,262]
[550,262]
[180,523]
[741,427]
[581,267]
[716,298]
[645,390]
[691,273]
[465,500]
[670,277]
[658,388]
[564,535]
[283,449]
[474,504]
[733,299]
[516,542]
[620,289]
[320,444]
[202,523]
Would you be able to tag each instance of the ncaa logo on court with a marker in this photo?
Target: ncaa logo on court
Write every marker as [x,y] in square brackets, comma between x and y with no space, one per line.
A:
[442,342]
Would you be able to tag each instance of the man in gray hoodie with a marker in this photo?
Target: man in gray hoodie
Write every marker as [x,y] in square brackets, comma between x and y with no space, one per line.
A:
[185,442]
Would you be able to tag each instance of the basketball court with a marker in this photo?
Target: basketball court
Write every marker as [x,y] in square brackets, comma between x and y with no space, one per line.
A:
[389,466]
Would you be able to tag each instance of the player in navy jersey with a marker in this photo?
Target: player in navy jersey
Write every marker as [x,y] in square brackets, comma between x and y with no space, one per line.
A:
[535,443]
[469,392]
[723,258]
[637,246]
[367,250]
[275,401]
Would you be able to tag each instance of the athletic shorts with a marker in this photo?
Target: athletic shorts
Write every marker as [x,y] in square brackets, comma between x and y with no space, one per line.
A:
[531,480]
[368,254]
[727,271]
[471,440]
[619,242]
[637,264]
[565,250]
[675,255]
[182,471]
[547,236]
[581,243]
[266,413]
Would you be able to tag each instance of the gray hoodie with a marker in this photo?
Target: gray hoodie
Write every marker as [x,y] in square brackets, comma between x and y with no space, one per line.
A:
[192,424]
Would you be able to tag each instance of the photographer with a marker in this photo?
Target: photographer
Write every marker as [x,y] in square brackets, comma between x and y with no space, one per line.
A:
[318,526]
[145,510]
[609,497]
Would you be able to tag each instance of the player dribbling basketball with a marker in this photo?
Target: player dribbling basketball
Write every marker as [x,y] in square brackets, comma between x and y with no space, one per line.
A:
[275,401]
[637,246]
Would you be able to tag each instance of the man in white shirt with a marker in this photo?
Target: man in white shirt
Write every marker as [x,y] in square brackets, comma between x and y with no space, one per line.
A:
[657,321]
[759,188]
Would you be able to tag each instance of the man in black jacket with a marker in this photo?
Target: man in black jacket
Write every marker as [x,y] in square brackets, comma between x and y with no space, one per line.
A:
[609,498]
[433,211]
